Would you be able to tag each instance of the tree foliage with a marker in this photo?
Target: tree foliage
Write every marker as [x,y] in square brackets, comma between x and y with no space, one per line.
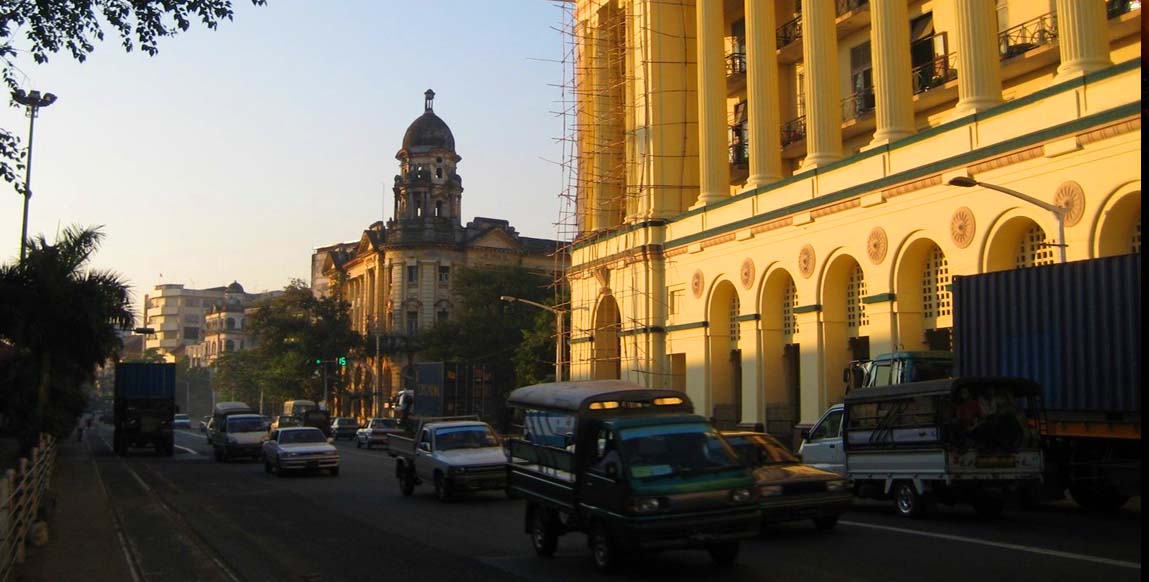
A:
[74,26]
[60,320]
[291,332]
[487,330]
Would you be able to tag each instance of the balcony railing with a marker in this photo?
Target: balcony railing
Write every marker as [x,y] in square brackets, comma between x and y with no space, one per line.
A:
[1116,8]
[739,154]
[790,31]
[1027,36]
[844,6]
[735,64]
[793,131]
[858,105]
[934,73]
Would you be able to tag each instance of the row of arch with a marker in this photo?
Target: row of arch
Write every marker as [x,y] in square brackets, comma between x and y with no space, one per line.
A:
[916,316]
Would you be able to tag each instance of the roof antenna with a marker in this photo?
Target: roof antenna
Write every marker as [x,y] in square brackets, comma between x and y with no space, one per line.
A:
[430,99]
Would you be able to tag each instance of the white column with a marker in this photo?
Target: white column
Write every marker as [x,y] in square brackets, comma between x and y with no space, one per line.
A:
[714,169]
[890,52]
[979,62]
[1081,37]
[762,93]
[823,97]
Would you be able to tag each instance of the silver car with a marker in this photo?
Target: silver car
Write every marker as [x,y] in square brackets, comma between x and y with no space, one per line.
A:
[299,448]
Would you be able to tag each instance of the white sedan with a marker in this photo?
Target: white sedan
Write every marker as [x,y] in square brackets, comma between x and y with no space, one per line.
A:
[299,448]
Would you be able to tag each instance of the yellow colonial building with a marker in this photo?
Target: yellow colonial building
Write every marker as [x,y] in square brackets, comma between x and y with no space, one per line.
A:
[764,188]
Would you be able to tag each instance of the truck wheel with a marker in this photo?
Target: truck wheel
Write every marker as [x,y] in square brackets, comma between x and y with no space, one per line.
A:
[907,500]
[442,488]
[1097,497]
[826,523]
[988,507]
[724,554]
[603,550]
[406,483]
[544,536]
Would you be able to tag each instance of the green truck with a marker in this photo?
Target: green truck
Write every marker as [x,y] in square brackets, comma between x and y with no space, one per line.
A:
[144,407]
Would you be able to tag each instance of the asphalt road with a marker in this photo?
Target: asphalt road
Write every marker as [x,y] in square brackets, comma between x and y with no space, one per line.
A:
[190,518]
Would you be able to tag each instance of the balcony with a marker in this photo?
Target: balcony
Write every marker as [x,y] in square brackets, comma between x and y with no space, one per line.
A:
[735,72]
[793,131]
[935,82]
[852,16]
[790,41]
[739,154]
[858,113]
[1124,18]
[1116,8]
[1029,46]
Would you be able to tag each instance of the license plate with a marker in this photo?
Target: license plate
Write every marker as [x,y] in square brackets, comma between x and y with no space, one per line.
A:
[994,462]
[312,464]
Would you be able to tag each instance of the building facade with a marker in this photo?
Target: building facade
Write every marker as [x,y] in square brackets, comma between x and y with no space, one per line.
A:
[398,278]
[764,187]
[184,318]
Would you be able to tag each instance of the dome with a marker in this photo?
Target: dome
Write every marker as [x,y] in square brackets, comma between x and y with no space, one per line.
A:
[235,287]
[428,132]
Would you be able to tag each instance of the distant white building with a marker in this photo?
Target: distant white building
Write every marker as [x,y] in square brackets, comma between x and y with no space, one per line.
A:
[179,316]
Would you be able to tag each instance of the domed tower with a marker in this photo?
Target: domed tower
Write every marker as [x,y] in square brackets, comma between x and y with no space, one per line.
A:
[428,190]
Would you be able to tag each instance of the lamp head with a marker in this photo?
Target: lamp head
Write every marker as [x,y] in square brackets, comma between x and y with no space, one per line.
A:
[508,298]
[963,182]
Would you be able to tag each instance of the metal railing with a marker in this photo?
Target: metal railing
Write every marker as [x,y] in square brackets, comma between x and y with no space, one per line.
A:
[790,31]
[858,105]
[1115,8]
[20,492]
[934,73]
[735,64]
[1027,36]
[844,6]
[793,131]
[739,154]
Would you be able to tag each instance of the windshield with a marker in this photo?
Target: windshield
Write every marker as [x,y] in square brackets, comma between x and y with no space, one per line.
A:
[384,423]
[465,437]
[756,450]
[301,436]
[674,449]
[182,417]
[246,425]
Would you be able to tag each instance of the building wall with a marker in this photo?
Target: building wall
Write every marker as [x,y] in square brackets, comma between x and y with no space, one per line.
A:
[791,270]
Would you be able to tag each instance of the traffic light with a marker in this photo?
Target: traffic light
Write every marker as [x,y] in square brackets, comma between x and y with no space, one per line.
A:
[318,361]
[342,360]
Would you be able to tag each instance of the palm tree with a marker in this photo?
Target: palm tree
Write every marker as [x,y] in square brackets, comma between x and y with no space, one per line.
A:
[61,317]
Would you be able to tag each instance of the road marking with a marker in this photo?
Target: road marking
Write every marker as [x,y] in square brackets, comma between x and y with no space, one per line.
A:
[133,568]
[1020,548]
[182,448]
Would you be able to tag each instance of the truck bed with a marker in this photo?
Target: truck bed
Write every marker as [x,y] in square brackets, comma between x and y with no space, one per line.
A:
[542,473]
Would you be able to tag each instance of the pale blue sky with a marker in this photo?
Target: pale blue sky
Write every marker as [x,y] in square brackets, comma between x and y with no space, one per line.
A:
[234,152]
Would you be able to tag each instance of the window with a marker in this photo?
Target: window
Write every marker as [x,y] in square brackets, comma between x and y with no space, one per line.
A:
[191,333]
[789,302]
[412,322]
[230,324]
[735,327]
[1032,250]
[936,297]
[862,82]
[674,302]
[444,274]
[442,315]
[438,208]
[855,291]
[413,273]
[829,428]
[438,172]
[229,346]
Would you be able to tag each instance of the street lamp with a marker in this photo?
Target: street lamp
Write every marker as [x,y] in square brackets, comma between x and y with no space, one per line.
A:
[33,102]
[1058,211]
[144,332]
[558,328]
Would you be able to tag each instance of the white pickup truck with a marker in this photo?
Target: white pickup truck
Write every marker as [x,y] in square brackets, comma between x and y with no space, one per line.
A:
[455,454]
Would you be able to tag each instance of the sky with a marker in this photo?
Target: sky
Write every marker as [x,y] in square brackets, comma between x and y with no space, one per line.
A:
[233,153]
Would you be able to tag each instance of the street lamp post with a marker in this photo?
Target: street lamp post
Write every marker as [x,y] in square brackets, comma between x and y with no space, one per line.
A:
[558,328]
[33,102]
[1058,211]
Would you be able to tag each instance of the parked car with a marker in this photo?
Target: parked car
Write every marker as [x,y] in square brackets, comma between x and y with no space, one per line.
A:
[788,489]
[203,423]
[299,448]
[343,427]
[377,432]
[182,421]
[284,421]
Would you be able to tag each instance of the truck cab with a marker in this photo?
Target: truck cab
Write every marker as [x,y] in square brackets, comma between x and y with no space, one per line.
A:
[236,431]
[899,368]
[631,467]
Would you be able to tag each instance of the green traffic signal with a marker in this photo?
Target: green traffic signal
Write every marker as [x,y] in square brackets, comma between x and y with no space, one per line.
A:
[342,360]
[318,361]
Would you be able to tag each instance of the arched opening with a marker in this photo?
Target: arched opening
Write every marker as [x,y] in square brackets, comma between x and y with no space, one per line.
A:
[924,300]
[438,208]
[1020,242]
[780,355]
[607,358]
[845,323]
[230,324]
[725,356]
[229,346]
[1120,232]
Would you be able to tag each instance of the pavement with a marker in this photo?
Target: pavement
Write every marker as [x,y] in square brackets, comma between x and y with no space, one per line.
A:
[84,540]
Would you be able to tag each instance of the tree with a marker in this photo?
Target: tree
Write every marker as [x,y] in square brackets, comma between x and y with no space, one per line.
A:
[62,320]
[487,330]
[73,26]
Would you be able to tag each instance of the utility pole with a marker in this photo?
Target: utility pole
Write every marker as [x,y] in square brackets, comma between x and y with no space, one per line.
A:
[33,101]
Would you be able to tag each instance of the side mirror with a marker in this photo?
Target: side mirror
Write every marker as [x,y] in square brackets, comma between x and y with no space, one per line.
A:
[425,447]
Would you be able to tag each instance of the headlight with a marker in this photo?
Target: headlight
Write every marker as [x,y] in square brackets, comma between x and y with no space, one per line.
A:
[838,485]
[770,490]
[741,495]
[645,504]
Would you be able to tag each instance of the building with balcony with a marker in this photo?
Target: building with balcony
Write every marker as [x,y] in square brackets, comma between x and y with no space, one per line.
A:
[397,279]
[764,190]
[179,316]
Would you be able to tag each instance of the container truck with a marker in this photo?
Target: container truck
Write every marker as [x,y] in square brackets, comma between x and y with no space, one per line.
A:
[449,389]
[144,407]
[1075,329]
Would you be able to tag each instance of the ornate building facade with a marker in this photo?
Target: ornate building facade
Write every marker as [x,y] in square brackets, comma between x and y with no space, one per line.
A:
[398,279]
[765,187]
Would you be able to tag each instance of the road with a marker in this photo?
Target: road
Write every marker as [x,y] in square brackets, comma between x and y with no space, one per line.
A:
[190,518]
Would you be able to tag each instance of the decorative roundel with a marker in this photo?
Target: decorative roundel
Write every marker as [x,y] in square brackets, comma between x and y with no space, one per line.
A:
[962,227]
[746,273]
[876,245]
[696,284]
[806,261]
[1071,197]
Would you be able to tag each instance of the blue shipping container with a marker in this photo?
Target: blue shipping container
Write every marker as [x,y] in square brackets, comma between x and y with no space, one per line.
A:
[145,381]
[1073,328]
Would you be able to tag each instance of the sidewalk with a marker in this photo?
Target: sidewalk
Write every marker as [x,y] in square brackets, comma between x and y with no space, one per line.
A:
[83,543]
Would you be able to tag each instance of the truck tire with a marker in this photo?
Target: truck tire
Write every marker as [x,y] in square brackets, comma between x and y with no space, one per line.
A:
[907,500]
[406,482]
[1097,497]
[442,488]
[603,549]
[544,533]
[724,554]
